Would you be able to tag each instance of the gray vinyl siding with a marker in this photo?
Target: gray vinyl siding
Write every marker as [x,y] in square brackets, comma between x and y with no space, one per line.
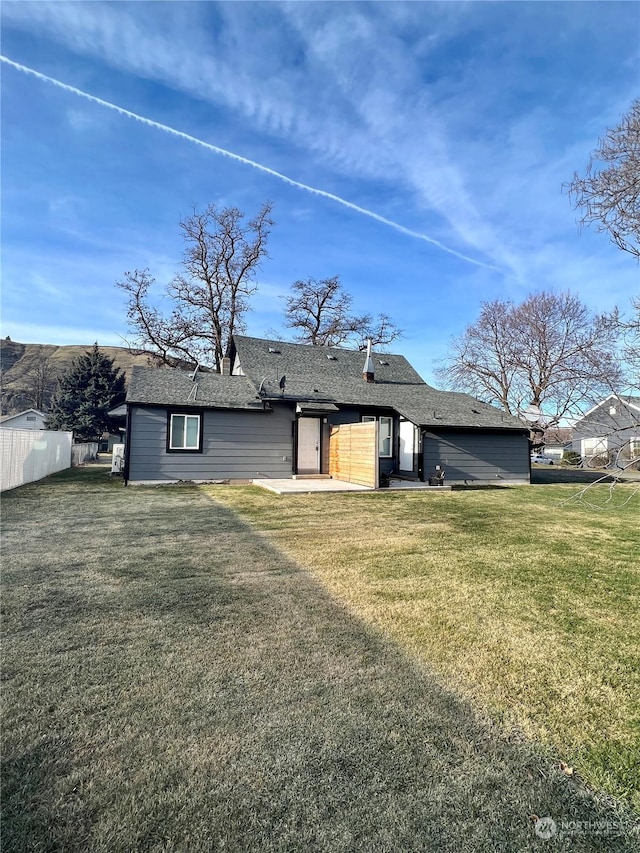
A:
[616,429]
[236,445]
[468,457]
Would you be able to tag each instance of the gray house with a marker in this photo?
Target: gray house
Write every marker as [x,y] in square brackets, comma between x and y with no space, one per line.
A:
[279,410]
[29,419]
[609,431]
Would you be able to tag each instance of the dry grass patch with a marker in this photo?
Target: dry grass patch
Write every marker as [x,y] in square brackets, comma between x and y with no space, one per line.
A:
[527,607]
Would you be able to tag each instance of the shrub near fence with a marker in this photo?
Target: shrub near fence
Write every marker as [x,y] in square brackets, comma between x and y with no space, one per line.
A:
[28,455]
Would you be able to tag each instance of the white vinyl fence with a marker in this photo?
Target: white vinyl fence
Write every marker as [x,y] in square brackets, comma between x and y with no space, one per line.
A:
[27,455]
[86,452]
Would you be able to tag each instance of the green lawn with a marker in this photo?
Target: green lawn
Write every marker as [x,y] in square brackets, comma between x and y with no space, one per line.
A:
[224,669]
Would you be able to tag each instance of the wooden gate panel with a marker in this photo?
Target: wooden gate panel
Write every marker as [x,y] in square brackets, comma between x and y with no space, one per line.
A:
[353,453]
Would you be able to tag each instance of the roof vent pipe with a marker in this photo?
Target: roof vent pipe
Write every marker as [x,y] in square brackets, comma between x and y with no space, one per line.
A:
[368,370]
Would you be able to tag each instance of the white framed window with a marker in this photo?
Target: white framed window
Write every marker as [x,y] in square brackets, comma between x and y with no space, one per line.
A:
[634,446]
[594,446]
[385,434]
[386,430]
[185,432]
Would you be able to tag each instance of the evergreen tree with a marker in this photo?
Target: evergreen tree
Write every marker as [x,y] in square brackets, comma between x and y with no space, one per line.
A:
[91,387]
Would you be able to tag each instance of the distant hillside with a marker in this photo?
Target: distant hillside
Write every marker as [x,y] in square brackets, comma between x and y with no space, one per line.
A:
[29,371]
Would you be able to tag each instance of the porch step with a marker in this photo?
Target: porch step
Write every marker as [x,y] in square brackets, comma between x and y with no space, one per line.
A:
[311,477]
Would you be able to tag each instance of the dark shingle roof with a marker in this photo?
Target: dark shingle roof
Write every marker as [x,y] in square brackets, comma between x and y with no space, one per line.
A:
[156,386]
[335,375]
[315,377]
[335,371]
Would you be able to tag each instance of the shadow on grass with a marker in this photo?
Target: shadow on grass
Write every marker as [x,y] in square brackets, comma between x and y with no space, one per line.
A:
[173,682]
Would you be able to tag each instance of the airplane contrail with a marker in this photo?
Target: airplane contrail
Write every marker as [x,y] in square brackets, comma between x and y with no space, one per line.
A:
[247,162]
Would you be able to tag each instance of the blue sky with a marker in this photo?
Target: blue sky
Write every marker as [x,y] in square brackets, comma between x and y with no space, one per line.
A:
[457,123]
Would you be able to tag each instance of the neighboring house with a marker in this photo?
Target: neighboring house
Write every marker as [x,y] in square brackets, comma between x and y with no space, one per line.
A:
[281,409]
[108,440]
[609,430]
[29,419]
[556,441]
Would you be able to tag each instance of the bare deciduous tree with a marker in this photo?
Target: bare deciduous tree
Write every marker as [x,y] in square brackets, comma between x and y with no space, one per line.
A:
[608,196]
[320,311]
[39,383]
[210,295]
[481,361]
[631,352]
[549,352]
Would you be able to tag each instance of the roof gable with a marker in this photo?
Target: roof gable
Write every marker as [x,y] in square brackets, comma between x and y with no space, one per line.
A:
[308,369]
[629,401]
[36,412]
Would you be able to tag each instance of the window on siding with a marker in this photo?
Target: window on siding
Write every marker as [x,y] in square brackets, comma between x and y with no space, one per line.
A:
[594,446]
[385,434]
[184,432]
[634,447]
[386,427]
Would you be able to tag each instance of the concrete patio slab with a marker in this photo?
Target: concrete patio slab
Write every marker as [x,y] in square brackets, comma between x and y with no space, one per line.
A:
[302,486]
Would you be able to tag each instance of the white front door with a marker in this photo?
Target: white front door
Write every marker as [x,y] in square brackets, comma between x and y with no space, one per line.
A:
[308,446]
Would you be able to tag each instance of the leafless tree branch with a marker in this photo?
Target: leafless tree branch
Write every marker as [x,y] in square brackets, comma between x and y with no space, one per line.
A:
[210,295]
[608,196]
[320,311]
[548,352]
